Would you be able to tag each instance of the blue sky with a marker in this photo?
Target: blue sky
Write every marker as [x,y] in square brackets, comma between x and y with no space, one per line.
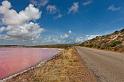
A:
[61,21]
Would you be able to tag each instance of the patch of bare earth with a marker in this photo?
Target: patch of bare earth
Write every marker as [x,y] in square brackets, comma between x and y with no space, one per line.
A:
[64,67]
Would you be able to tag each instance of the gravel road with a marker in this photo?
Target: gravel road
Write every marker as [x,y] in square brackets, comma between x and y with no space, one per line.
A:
[107,66]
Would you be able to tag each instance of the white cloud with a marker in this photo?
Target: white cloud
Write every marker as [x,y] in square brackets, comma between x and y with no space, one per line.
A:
[88,2]
[10,15]
[56,38]
[19,25]
[26,31]
[39,3]
[2,29]
[58,16]
[51,9]
[43,2]
[91,36]
[79,39]
[114,8]
[66,38]
[65,35]
[68,34]
[74,8]
[84,38]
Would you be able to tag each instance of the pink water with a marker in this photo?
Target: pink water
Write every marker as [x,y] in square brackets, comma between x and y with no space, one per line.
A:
[13,60]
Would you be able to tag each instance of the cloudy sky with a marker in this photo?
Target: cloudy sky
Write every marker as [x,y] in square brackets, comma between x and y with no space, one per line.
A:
[58,21]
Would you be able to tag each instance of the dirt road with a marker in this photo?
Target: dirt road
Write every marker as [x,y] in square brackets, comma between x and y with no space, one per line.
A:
[107,66]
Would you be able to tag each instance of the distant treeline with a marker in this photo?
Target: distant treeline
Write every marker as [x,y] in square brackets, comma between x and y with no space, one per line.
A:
[54,46]
[42,46]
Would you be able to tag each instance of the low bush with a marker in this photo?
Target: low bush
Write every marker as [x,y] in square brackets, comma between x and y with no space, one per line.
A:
[115,43]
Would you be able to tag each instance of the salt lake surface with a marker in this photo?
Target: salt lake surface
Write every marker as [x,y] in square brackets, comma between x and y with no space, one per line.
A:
[13,60]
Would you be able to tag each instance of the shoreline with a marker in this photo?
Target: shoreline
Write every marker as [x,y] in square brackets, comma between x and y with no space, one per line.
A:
[23,71]
[28,68]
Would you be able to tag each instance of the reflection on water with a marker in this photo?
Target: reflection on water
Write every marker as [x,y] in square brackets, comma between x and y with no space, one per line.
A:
[13,60]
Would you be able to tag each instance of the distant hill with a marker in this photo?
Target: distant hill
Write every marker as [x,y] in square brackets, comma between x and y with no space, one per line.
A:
[114,42]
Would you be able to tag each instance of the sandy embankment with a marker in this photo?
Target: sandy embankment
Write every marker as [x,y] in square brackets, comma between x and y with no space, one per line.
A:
[64,67]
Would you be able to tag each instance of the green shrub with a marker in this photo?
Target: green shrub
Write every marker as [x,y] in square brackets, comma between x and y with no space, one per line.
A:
[115,43]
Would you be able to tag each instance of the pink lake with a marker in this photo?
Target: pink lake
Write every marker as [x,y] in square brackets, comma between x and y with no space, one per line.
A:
[14,60]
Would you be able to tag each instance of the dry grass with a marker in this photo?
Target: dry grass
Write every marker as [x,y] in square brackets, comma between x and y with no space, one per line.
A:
[65,67]
[112,42]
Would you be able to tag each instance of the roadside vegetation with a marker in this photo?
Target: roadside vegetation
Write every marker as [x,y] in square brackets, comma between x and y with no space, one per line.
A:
[113,42]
